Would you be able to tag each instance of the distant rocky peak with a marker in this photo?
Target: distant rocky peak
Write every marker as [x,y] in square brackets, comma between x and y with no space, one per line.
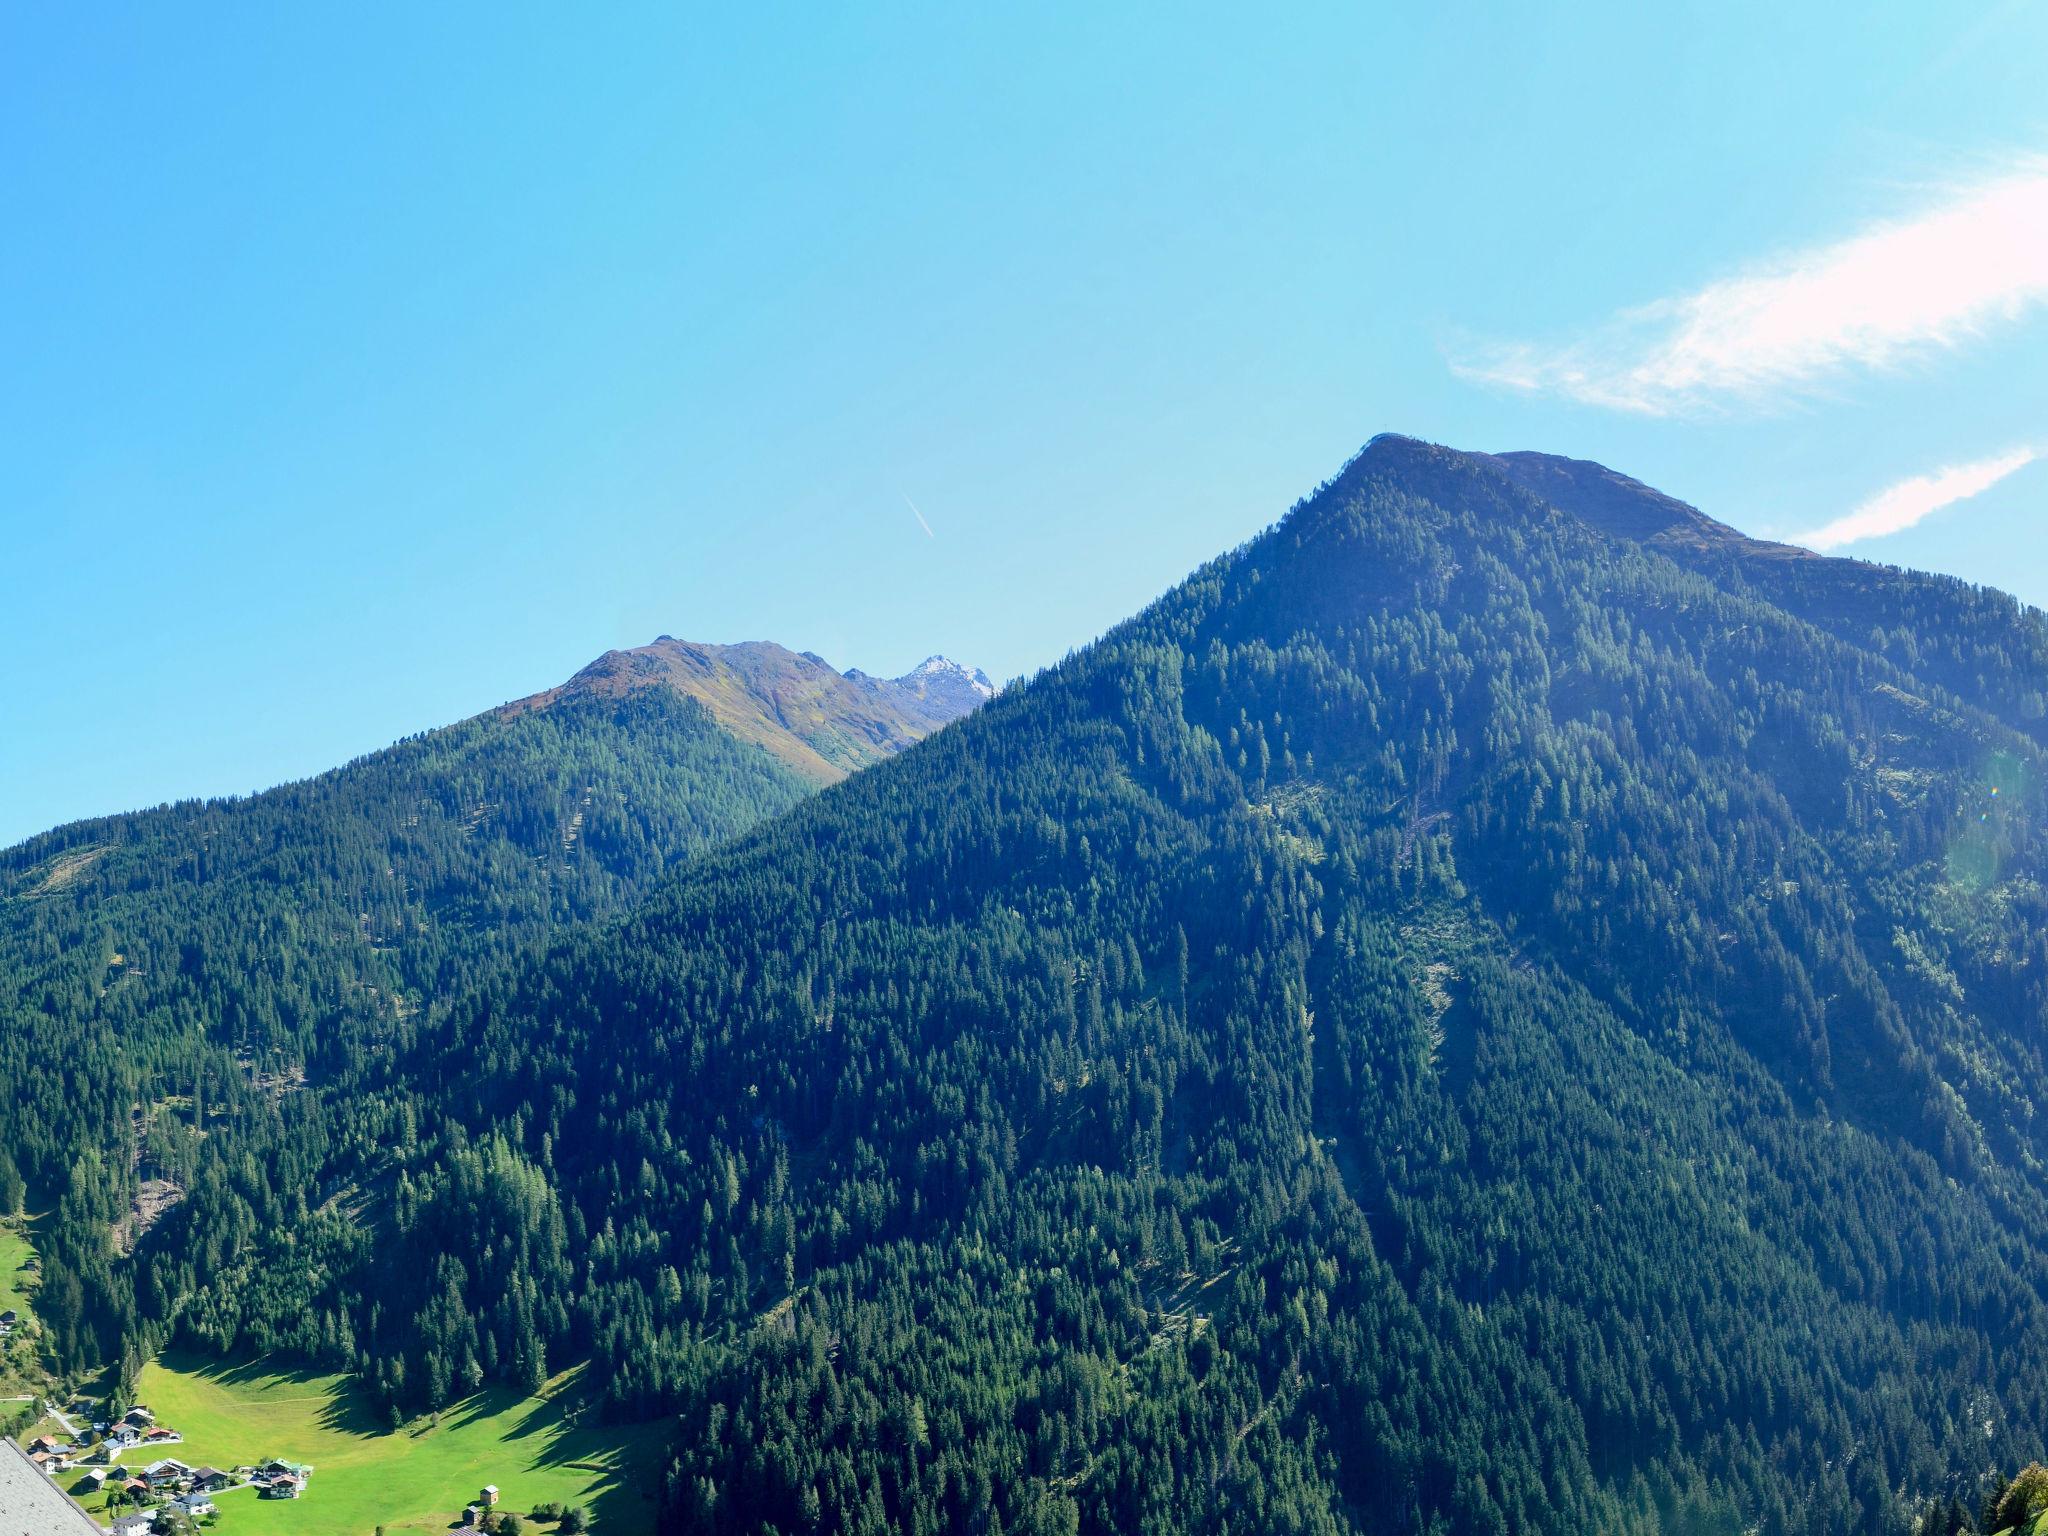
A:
[944,671]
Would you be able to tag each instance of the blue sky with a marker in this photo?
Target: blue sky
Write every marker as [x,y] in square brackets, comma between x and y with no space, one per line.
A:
[366,366]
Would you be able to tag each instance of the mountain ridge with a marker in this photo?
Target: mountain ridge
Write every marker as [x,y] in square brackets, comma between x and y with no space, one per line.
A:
[795,705]
[1623,506]
[1990,643]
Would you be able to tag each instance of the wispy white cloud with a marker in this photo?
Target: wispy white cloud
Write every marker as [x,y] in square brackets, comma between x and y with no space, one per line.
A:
[927,527]
[1900,506]
[1884,298]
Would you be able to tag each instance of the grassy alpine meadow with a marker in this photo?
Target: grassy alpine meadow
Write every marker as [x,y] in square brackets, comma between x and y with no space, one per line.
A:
[17,1267]
[414,1478]
[19,1369]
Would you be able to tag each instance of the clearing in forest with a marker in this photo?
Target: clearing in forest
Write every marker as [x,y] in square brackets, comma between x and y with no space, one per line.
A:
[415,1478]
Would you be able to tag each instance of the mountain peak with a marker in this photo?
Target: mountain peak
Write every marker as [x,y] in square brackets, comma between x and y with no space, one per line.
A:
[1616,504]
[943,670]
[795,704]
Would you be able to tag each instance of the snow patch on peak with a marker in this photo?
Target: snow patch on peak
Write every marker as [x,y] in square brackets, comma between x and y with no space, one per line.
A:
[945,669]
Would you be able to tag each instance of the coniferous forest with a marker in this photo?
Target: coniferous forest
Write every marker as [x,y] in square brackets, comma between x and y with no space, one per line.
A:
[175,981]
[1497,1006]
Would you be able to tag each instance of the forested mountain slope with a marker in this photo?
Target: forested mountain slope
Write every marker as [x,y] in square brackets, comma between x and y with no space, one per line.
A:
[196,967]
[1450,1020]
[1974,641]
[1463,1016]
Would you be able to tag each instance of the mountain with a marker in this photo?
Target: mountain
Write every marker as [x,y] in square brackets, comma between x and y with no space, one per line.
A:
[204,962]
[820,722]
[943,688]
[1499,1005]
[1481,1011]
[1626,508]
[1975,641]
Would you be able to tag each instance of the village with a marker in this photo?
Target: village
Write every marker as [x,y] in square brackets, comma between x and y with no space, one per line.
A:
[180,1451]
[147,1493]
[124,1459]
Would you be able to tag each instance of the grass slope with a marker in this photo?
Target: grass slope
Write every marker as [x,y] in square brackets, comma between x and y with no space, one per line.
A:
[416,1478]
[20,1371]
[17,1267]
